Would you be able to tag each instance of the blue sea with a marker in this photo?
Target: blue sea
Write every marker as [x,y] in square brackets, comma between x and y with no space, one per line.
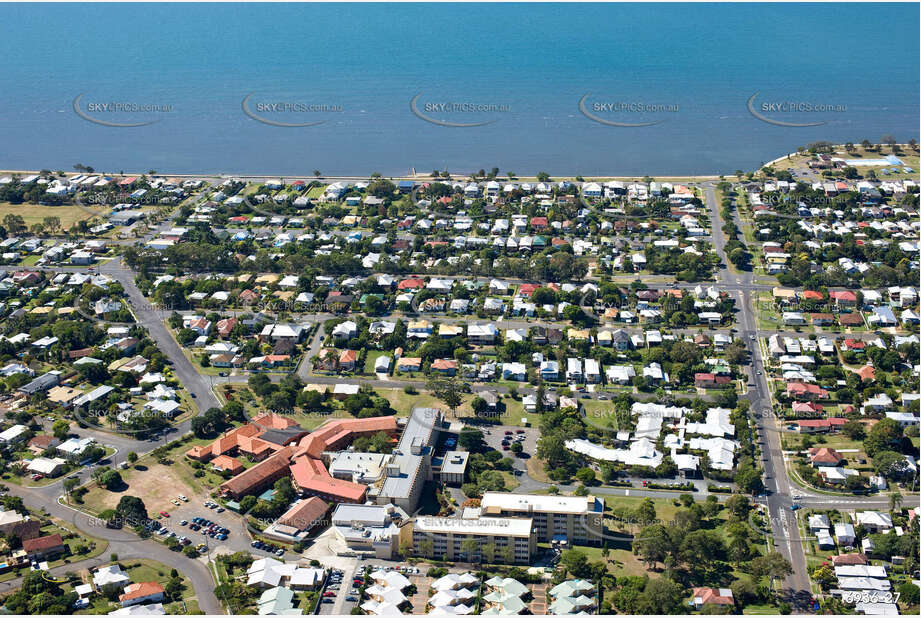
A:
[515,72]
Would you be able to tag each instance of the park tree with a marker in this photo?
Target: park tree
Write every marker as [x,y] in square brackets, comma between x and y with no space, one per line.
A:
[701,547]
[110,479]
[471,440]
[131,511]
[70,483]
[749,480]
[653,544]
[661,596]
[575,562]
[586,476]
[772,564]
[738,505]
[449,390]
[645,512]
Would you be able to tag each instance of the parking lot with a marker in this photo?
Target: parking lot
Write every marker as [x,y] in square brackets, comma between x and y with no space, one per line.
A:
[341,588]
[495,434]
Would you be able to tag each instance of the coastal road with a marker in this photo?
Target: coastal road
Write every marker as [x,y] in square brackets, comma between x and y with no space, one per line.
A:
[784,529]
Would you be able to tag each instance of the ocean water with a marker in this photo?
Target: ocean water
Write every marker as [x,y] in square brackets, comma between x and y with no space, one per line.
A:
[522,68]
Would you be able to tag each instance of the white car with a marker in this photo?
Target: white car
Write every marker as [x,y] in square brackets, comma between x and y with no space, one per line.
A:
[183,498]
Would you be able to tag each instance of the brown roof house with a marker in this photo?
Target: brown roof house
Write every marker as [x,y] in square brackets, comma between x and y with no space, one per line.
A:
[142,592]
[824,457]
[712,596]
[14,524]
[44,547]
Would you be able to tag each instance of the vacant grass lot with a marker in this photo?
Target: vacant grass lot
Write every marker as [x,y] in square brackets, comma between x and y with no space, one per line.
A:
[33,213]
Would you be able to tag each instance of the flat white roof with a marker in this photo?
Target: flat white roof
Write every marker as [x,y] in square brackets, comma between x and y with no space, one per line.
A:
[539,503]
[500,526]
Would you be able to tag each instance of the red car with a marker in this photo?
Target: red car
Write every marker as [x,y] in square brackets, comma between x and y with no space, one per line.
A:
[520,431]
[505,447]
[164,513]
[508,433]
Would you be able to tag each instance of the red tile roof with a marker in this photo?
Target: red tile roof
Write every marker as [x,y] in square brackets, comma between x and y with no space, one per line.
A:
[806,406]
[338,431]
[271,469]
[348,356]
[225,326]
[845,559]
[822,422]
[311,477]
[305,514]
[141,590]
[799,389]
[226,462]
[824,455]
[527,288]
[42,543]
[712,595]
[409,284]
[843,295]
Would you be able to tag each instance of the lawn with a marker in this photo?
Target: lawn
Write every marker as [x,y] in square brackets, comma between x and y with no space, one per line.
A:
[536,469]
[371,357]
[599,413]
[620,561]
[760,610]
[33,213]
[665,508]
[403,402]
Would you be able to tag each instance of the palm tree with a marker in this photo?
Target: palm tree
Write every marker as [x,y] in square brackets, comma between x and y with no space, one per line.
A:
[895,501]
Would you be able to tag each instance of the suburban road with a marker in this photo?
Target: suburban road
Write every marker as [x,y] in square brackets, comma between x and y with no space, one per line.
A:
[784,528]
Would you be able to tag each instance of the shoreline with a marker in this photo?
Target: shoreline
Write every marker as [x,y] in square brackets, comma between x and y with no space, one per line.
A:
[419,176]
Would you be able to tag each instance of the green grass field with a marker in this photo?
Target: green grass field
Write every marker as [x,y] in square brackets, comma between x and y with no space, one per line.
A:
[33,213]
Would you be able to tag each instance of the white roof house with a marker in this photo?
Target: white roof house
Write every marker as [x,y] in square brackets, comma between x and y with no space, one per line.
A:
[111,574]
